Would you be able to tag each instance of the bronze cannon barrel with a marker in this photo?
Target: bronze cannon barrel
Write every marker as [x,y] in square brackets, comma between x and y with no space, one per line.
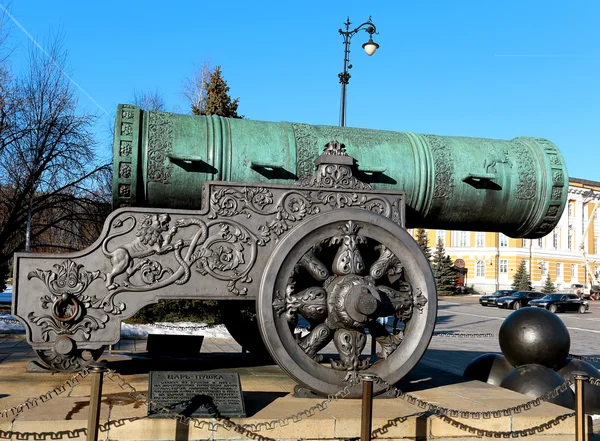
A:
[518,187]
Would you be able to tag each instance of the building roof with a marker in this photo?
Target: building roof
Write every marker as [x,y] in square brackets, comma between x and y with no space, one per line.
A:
[584,182]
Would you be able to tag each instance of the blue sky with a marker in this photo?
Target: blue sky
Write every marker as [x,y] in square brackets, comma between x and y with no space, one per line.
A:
[451,67]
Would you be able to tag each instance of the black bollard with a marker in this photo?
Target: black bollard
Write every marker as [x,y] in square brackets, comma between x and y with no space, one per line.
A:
[366,418]
[580,378]
[97,373]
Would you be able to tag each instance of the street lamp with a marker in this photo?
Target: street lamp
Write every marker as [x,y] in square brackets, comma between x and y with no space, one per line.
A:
[370,47]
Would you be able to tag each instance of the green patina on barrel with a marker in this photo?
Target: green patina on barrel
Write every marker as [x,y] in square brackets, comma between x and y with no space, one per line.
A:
[518,187]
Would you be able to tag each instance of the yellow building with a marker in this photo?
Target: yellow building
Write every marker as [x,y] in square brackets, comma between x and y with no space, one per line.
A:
[491,259]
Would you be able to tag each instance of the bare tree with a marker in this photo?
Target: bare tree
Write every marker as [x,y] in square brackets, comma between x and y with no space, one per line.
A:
[194,87]
[149,100]
[49,179]
[8,99]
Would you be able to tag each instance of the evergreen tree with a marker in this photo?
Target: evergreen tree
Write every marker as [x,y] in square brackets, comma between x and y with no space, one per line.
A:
[217,100]
[423,242]
[549,287]
[443,271]
[522,281]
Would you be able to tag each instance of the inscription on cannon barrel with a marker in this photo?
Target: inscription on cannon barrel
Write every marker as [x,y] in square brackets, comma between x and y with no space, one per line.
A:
[198,394]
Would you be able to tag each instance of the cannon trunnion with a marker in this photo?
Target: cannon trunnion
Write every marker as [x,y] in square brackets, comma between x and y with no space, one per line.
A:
[326,250]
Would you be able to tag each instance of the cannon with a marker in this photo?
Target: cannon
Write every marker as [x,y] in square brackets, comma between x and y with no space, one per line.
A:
[307,222]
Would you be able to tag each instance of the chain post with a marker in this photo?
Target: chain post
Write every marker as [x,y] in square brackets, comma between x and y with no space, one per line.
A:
[580,378]
[97,373]
[366,418]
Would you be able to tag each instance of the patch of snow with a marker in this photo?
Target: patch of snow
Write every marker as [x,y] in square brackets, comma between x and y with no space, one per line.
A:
[180,328]
[8,325]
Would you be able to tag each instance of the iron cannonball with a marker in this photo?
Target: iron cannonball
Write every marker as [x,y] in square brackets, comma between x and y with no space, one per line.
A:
[591,393]
[489,368]
[534,336]
[534,380]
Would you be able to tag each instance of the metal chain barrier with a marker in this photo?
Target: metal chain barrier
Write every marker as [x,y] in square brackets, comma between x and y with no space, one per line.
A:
[508,411]
[462,335]
[586,358]
[52,393]
[245,429]
[505,434]
[249,430]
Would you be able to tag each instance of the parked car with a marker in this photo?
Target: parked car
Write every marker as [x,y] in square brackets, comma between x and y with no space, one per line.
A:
[491,299]
[561,303]
[518,299]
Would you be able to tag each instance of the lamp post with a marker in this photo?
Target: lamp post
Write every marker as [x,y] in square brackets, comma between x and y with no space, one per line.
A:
[370,47]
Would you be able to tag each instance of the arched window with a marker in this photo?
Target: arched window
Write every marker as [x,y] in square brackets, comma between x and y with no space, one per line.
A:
[480,268]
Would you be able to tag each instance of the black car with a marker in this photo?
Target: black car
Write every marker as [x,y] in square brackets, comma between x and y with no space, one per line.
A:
[561,302]
[518,299]
[491,299]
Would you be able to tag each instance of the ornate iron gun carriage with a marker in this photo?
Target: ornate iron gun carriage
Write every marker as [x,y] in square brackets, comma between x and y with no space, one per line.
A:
[212,208]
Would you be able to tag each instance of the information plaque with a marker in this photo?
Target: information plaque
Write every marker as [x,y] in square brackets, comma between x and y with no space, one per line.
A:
[198,394]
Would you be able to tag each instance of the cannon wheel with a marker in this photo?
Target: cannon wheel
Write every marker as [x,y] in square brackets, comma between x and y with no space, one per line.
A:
[72,362]
[281,276]
[239,317]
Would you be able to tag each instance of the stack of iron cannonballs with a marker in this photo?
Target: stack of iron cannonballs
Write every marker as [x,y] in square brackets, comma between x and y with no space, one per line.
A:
[535,345]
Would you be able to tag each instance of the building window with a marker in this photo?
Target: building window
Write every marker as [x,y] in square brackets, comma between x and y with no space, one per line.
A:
[595,245]
[503,240]
[524,243]
[544,269]
[558,270]
[480,268]
[570,240]
[540,242]
[480,239]
[573,271]
[463,239]
[555,239]
[571,209]
[503,266]
[440,235]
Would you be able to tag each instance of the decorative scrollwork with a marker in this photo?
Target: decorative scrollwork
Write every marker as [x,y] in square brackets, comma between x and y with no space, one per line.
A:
[314,266]
[232,201]
[72,362]
[386,263]
[227,254]
[334,170]
[66,302]
[348,259]
[322,190]
[50,324]
[67,278]
[160,143]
